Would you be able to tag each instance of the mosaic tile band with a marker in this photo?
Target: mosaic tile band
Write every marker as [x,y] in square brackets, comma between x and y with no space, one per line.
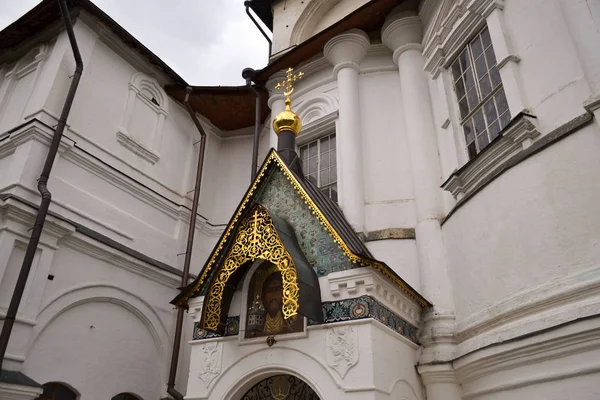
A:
[367,307]
[337,311]
[232,328]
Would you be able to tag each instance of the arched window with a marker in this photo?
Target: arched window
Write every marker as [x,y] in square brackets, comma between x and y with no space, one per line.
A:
[57,391]
[126,396]
[144,117]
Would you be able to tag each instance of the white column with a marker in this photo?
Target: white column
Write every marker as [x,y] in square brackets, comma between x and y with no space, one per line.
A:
[440,382]
[276,103]
[402,33]
[345,52]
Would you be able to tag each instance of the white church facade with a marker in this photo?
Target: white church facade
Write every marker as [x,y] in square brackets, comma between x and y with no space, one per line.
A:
[422,223]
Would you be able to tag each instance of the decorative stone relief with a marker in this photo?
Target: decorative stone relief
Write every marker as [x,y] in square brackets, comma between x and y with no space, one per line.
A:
[342,349]
[210,362]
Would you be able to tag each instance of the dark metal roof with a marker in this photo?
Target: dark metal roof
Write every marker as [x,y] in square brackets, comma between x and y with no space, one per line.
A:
[44,21]
[336,218]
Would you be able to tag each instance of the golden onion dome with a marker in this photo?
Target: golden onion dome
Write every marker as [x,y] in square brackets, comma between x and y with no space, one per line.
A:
[287,120]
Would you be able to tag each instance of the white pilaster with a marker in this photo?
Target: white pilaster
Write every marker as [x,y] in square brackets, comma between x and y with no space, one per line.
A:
[345,52]
[402,33]
[507,62]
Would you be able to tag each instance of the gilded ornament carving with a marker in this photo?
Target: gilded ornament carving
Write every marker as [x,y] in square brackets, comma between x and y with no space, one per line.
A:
[210,362]
[257,238]
[342,349]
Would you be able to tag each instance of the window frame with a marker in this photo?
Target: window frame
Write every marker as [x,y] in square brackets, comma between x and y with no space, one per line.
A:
[468,121]
[327,188]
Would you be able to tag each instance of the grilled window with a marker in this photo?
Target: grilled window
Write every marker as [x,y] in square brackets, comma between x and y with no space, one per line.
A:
[481,99]
[319,164]
[57,391]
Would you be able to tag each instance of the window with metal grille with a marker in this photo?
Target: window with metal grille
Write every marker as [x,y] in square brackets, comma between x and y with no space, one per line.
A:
[481,99]
[57,391]
[319,164]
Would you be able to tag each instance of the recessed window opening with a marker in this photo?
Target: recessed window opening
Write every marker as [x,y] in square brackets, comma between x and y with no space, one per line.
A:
[481,99]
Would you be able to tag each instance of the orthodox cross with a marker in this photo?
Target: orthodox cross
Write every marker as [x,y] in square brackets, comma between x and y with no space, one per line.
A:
[288,83]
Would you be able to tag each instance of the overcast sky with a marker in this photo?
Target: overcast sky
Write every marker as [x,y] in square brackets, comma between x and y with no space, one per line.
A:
[207,42]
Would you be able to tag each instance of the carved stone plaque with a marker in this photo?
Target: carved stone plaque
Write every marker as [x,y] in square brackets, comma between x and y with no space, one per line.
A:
[210,362]
[342,349]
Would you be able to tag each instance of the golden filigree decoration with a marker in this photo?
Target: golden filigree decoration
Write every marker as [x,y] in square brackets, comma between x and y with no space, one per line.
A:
[256,238]
[273,157]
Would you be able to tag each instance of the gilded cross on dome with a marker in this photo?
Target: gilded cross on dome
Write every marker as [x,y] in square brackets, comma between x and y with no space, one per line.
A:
[288,83]
[287,120]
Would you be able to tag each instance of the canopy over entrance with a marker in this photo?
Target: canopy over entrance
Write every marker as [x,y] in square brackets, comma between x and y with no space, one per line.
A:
[265,237]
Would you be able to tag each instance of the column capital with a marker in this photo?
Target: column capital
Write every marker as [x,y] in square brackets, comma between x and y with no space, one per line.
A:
[275,79]
[348,49]
[437,373]
[402,31]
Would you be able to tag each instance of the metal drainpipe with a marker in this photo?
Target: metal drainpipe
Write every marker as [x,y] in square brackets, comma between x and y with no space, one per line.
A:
[188,251]
[249,74]
[43,188]
[247,5]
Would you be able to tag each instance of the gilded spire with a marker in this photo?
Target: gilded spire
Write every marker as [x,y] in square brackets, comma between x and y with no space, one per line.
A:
[287,119]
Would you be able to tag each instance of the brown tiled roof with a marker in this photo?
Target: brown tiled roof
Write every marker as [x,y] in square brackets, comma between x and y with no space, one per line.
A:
[227,107]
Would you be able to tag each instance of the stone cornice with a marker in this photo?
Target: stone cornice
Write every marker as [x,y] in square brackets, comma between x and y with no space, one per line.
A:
[592,103]
[538,308]
[516,137]
[9,391]
[17,219]
[114,257]
[364,281]
[567,340]
[437,373]
[40,132]
[135,147]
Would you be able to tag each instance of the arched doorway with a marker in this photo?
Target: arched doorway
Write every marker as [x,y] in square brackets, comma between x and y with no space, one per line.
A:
[126,396]
[281,387]
[57,391]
